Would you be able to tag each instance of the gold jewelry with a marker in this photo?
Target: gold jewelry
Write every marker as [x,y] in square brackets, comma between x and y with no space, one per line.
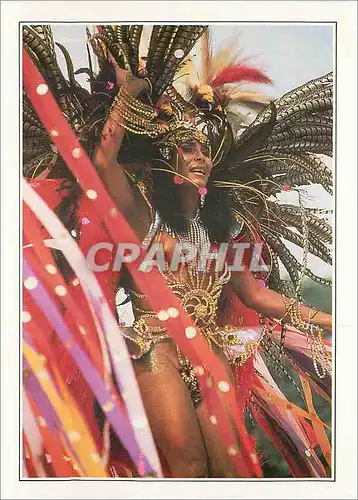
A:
[148,332]
[321,357]
[132,114]
[180,131]
[144,346]
[142,296]
[129,112]
[130,102]
[146,336]
[230,336]
[189,377]
[310,317]
[288,308]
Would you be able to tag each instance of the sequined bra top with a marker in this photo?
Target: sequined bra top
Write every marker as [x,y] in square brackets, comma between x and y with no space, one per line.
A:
[197,287]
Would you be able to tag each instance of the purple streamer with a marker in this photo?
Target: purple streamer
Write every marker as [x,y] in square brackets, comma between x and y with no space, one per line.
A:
[33,387]
[118,420]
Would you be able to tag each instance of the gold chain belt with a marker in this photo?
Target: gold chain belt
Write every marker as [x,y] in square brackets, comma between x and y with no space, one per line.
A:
[228,338]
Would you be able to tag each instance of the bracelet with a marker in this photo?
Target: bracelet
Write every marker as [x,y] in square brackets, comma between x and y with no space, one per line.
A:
[310,318]
[288,307]
[124,98]
[130,124]
[320,356]
[133,115]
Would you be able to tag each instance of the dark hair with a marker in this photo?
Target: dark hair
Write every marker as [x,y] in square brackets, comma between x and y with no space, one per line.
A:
[215,215]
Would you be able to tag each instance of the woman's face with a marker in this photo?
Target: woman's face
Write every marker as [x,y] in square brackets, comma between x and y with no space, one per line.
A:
[194,162]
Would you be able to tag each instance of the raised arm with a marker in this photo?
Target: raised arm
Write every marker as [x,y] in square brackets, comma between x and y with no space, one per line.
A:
[272,304]
[129,201]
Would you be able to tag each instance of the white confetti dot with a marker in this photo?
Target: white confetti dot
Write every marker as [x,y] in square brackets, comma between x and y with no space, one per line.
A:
[48,458]
[76,282]
[179,53]
[190,332]
[60,290]
[51,269]
[54,133]
[42,375]
[213,420]
[113,212]
[74,436]
[73,233]
[308,453]
[41,421]
[199,370]
[91,194]
[42,89]
[224,386]
[254,458]
[82,330]
[69,344]
[232,451]
[95,457]
[77,153]
[31,283]
[173,312]
[109,406]
[26,317]
[140,423]
[163,316]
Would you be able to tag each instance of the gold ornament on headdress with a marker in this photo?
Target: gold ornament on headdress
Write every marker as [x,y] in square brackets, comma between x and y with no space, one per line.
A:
[142,119]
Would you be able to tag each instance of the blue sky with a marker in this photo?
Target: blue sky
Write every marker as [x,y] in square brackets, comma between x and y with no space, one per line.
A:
[290,54]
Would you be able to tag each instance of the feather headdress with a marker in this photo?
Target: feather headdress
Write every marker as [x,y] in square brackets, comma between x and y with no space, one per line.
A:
[281,149]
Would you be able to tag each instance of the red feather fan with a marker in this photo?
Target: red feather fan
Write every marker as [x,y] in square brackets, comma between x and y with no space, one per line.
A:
[236,73]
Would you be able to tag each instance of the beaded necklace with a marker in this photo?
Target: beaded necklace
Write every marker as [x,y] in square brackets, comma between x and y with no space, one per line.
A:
[194,285]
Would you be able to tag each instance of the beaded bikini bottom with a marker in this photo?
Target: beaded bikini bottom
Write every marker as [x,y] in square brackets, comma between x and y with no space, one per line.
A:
[238,345]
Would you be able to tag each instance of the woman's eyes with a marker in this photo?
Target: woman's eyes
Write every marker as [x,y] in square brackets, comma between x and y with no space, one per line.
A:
[188,148]
[191,148]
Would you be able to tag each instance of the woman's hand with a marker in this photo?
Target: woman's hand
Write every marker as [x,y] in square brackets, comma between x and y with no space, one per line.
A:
[132,84]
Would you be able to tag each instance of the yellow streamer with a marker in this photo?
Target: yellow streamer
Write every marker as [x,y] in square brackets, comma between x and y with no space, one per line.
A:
[71,420]
[318,425]
[285,404]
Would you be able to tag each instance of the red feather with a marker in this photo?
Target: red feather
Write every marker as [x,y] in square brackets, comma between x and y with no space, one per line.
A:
[240,73]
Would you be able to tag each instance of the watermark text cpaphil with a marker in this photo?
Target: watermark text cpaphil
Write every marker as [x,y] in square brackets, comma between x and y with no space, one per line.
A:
[103,256]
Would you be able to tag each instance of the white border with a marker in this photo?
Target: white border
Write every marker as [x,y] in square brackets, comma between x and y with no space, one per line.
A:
[201,11]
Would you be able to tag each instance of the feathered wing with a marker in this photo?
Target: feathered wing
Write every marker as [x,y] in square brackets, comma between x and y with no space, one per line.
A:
[283,150]
[38,153]
[168,46]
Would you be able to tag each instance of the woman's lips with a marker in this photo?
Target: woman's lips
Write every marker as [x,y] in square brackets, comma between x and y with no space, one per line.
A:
[198,171]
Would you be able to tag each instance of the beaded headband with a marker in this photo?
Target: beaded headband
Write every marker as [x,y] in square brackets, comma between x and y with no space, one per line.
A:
[168,129]
[179,131]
